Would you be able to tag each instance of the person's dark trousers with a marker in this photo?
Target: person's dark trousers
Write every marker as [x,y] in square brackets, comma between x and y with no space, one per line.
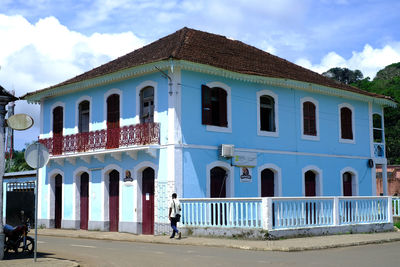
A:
[173,226]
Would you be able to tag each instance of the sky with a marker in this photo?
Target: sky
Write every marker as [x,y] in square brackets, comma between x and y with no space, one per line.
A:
[44,42]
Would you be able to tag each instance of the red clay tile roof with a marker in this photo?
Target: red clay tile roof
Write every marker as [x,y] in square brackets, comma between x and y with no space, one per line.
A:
[214,50]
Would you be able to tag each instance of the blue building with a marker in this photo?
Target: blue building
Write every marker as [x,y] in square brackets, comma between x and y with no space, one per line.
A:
[204,116]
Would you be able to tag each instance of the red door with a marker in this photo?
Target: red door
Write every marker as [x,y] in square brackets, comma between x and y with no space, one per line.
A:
[148,201]
[84,201]
[114,200]
[57,131]
[58,201]
[113,121]
[347,184]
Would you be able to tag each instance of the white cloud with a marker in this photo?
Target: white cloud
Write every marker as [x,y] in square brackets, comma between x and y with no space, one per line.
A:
[370,60]
[35,56]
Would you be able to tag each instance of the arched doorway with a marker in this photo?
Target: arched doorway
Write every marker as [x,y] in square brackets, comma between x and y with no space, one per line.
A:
[310,184]
[113,200]
[84,201]
[347,184]
[218,178]
[267,183]
[57,201]
[113,121]
[148,201]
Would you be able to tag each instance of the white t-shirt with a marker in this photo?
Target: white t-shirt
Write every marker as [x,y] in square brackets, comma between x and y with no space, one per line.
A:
[176,209]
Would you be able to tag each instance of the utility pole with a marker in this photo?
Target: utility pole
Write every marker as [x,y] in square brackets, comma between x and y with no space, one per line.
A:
[5,98]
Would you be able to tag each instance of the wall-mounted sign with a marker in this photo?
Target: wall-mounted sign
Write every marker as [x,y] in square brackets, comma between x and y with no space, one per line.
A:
[20,122]
[128,176]
[245,175]
[245,159]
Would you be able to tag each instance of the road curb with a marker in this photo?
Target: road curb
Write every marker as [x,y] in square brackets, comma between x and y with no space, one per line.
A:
[256,247]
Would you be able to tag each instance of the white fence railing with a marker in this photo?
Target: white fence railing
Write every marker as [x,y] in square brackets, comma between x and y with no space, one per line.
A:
[287,212]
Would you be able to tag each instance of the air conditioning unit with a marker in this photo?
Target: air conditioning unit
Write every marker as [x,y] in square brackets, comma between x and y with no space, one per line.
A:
[226,151]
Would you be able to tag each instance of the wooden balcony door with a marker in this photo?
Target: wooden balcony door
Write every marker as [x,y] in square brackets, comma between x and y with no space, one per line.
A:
[347,184]
[113,131]
[114,200]
[58,119]
[84,201]
[148,201]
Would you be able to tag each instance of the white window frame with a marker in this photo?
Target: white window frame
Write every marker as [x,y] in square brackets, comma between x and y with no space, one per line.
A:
[277,178]
[55,105]
[276,114]
[80,100]
[353,128]
[315,102]
[354,181]
[138,89]
[76,200]
[106,95]
[318,180]
[213,128]
[230,171]
[105,183]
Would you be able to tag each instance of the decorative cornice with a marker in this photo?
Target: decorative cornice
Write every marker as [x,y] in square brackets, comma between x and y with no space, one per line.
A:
[207,69]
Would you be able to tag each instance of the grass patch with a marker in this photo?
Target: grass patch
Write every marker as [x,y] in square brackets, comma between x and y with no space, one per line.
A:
[397,225]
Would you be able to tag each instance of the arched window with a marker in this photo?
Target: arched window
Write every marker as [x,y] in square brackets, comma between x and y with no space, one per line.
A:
[267,183]
[377,127]
[147,104]
[267,113]
[214,106]
[83,120]
[346,123]
[309,119]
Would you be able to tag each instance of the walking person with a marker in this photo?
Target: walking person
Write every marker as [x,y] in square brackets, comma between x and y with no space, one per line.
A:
[174,215]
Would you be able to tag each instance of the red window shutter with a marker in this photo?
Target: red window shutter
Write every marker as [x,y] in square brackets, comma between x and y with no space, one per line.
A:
[309,119]
[58,120]
[206,105]
[113,111]
[223,118]
[346,123]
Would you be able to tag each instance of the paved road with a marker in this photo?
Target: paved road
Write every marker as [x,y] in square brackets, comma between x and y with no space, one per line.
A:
[93,253]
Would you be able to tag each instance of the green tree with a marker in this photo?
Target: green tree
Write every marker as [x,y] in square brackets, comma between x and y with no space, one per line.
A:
[344,75]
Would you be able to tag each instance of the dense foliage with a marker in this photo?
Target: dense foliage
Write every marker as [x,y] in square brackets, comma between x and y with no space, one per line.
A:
[344,75]
[17,163]
[386,82]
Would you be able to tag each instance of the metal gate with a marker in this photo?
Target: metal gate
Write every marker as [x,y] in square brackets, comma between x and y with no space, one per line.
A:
[20,197]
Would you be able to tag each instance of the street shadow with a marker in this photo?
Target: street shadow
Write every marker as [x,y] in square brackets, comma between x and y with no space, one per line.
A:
[18,256]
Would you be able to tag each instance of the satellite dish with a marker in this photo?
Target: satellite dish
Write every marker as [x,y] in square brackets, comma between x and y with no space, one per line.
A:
[36,155]
[20,122]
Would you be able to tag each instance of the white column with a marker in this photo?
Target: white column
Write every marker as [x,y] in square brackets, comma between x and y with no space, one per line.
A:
[174,150]
[336,211]
[390,212]
[384,179]
[266,213]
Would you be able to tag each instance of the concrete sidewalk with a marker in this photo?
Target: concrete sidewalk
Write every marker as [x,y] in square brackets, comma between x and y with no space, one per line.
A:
[287,245]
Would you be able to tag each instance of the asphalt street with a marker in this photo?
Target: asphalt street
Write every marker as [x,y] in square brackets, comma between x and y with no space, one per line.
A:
[93,253]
